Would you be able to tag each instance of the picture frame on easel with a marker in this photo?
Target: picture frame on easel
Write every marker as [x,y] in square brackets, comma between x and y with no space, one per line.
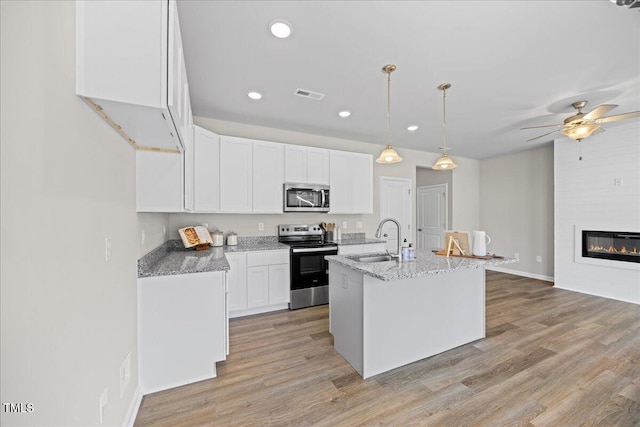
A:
[457,243]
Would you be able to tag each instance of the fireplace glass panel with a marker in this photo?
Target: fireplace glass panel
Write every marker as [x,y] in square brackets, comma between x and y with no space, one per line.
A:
[612,245]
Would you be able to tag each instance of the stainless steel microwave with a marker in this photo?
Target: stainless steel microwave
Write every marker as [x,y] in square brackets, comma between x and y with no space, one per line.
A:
[306,197]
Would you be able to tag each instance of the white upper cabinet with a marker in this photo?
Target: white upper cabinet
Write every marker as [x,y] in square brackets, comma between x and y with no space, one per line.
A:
[317,166]
[130,69]
[295,161]
[351,180]
[306,165]
[361,183]
[206,171]
[251,175]
[236,174]
[159,182]
[268,177]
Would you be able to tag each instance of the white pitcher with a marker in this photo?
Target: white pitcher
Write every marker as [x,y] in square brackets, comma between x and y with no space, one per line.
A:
[480,241]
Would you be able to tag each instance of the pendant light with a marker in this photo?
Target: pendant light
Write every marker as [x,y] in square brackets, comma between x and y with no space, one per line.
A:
[388,155]
[445,162]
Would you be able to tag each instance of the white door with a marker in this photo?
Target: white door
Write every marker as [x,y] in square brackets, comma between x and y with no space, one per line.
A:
[395,202]
[431,216]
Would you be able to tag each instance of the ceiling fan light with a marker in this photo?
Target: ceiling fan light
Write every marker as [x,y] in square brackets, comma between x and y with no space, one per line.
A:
[389,156]
[580,132]
[444,163]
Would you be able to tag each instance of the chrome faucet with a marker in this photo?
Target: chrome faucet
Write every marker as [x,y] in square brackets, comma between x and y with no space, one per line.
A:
[379,233]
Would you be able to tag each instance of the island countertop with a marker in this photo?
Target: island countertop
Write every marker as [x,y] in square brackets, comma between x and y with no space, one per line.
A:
[426,263]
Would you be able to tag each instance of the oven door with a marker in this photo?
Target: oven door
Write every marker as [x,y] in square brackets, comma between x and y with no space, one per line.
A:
[309,268]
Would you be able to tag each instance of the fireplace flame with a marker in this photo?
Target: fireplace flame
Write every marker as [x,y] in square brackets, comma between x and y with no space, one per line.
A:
[613,250]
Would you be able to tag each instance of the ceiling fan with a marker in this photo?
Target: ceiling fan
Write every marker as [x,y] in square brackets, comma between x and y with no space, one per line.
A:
[581,125]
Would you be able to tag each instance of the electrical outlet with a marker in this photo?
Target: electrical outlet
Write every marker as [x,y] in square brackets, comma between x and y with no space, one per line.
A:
[359,224]
[617,182]
[144,236]
[516,255]
[538,258]
[125,374]
[104,399]
[107,249]
[261,226]
[344,225]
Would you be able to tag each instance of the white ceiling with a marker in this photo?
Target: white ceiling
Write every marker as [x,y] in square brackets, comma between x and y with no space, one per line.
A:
[511,64]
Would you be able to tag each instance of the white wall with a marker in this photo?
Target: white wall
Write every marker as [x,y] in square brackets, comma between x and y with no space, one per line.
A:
[585,195]
[516,209]
[465,214]
[68,180]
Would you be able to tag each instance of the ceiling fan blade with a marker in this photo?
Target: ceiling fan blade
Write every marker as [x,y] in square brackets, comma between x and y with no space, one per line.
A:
[544,126]
[598,111]
[597,131]
[617,117]
[544,134]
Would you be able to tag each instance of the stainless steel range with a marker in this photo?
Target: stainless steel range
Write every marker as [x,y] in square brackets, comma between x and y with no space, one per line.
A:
[309,270]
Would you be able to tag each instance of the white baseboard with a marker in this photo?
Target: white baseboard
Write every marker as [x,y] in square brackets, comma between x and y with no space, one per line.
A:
[522,273]
[132,413]
[257,310]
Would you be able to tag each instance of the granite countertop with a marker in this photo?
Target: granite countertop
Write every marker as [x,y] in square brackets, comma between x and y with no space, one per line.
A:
[171,258]
[426,263]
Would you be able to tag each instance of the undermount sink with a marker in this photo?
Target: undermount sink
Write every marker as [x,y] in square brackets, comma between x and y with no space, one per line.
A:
[372,258]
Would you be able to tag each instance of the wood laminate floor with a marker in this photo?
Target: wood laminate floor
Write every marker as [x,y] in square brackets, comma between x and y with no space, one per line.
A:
[551,358]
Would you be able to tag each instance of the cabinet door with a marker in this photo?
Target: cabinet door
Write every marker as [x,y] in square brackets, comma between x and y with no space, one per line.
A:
[279,289]
[317,166]
[295,163]
[236,165]
[258,286]
[189,168]
[176,77]
[122,51]
[361,182]
[159,182]
[237,281]
[206,175]
[339,174]
[268,165]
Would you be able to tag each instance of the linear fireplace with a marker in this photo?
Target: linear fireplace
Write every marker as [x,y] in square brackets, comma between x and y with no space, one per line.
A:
[611,245]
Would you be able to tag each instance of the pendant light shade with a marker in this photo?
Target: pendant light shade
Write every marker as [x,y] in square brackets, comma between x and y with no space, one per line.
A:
[445,162]
[388,155]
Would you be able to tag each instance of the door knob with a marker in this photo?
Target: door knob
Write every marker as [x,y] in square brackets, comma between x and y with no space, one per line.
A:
[385,235]
[419,229]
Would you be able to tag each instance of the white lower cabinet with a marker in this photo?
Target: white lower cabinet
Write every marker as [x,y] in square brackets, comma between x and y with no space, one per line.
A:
[182,329]
[237,280]
[258,282]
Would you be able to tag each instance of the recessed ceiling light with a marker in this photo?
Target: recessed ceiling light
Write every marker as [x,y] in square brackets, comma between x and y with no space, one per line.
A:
[254,95]
[412,128]
[344,113]
[280,28]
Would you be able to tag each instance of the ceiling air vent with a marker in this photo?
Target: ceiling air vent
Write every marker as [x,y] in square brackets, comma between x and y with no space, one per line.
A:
[309,94]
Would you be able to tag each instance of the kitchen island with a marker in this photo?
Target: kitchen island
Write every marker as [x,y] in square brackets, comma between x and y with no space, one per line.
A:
[384,315]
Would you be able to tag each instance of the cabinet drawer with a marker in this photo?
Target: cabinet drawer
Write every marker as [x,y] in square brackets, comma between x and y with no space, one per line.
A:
[267,258]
